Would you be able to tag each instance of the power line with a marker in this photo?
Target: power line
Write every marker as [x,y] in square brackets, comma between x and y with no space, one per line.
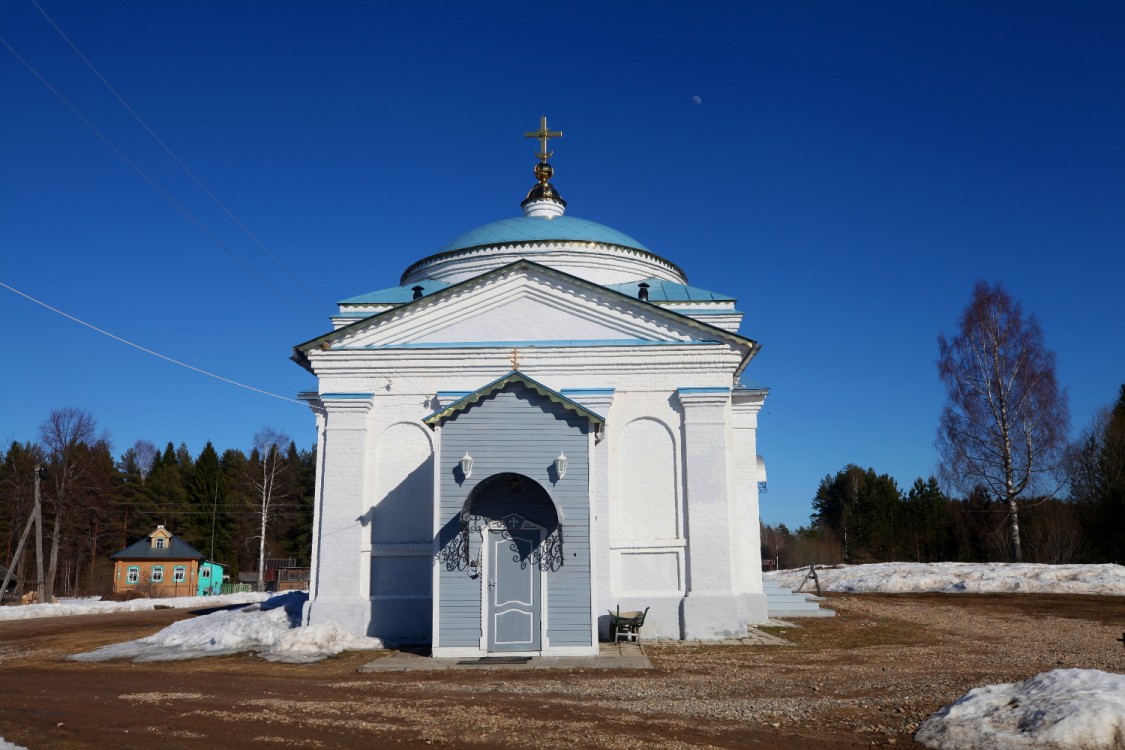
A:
[167,197]
[177,159]
[187,214]
[147,350]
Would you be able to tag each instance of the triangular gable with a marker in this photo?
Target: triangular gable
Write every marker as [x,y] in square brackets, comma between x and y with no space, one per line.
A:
[160,538]
[515,376]
[634,319]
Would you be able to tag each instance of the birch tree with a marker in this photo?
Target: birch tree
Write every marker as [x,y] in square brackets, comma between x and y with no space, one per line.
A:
[1005,421]
[269,445]
[67,435]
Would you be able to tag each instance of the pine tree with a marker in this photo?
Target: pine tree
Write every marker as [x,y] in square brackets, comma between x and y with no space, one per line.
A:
[210,528]
[1095,473]
[863,509]
[929,521]
[165,490]
[240,554]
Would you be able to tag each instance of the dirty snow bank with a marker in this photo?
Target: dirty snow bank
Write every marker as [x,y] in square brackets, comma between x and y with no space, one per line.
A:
[272,628]
[1065,708]
[315,642]
[969,578]
[66,607]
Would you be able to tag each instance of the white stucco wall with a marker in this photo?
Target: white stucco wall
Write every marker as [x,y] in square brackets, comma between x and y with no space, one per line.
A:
[674,478]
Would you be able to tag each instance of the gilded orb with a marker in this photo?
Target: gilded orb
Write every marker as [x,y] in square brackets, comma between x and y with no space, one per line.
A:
[544,171]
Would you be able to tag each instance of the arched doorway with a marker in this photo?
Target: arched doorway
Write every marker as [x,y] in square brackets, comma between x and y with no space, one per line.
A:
[521,539]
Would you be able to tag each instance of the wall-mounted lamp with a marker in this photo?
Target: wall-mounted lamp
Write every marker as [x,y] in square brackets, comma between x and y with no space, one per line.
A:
[466,465]
[560,465]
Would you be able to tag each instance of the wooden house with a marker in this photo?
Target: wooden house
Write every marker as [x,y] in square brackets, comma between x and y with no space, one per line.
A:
[162,564]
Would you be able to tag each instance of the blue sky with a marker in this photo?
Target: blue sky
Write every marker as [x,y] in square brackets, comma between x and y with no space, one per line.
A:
[848,171]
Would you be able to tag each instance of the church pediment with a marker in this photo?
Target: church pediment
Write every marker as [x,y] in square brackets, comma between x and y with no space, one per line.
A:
[521,304]
[512,378]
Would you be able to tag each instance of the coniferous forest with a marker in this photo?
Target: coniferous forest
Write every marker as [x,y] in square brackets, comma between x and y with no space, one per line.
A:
[95,502]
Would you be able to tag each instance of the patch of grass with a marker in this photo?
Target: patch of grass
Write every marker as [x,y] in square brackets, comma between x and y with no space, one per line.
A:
[842,633]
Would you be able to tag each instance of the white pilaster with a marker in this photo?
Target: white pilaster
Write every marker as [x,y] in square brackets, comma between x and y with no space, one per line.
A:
[747,561]
[340,506]
[599,401]
[711,609]
[318,503]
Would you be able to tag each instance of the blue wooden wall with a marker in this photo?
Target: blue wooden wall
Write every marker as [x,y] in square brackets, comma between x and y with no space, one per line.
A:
[519,431]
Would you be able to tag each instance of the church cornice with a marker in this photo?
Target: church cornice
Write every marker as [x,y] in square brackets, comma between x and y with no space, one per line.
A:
[747,346]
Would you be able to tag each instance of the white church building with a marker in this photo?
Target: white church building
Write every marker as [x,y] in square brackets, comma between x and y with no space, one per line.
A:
[540,424]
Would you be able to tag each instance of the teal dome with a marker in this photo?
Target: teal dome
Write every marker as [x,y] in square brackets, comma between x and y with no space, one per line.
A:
[525,229]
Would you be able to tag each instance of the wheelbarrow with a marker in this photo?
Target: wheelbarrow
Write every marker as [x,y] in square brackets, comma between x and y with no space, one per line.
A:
[626,625]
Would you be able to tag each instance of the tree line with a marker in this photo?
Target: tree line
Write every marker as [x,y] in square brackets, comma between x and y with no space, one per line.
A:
[234,507]
[1025,492]
[860,515]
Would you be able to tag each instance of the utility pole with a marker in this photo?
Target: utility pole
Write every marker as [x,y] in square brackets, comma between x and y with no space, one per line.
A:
[17,558]
[40,473]
[34,519]
[214,513]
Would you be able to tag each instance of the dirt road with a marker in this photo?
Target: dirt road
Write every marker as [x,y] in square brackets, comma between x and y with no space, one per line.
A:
[866,677]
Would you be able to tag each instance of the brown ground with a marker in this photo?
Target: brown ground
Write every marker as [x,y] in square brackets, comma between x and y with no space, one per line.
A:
[866,677]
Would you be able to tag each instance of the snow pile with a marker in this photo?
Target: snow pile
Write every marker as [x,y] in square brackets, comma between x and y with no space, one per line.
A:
[67,607]
[970,578]
[315,642]
[272,627]
[5,745]
[1064,708]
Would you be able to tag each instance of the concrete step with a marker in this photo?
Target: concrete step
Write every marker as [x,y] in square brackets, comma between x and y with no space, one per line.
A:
[772,607]
[781,602]
[790,614]
[785,596]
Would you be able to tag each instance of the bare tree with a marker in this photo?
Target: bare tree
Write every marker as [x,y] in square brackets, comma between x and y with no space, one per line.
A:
[269,444]
[67,436]
[1005,422]
[144,452]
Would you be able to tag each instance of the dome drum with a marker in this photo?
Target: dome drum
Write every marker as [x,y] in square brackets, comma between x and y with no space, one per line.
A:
[580,247]
[593,261]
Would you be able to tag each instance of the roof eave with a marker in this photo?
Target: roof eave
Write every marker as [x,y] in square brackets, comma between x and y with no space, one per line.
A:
[721,333]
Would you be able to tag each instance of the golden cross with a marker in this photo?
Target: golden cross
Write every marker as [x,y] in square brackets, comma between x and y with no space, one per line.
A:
[543,134]
[515,359]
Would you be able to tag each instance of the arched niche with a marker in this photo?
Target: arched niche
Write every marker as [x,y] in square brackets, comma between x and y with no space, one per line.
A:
[644,505]
[404,486]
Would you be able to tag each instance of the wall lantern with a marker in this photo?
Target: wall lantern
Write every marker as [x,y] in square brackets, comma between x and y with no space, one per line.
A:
[560,465]
[466,465]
